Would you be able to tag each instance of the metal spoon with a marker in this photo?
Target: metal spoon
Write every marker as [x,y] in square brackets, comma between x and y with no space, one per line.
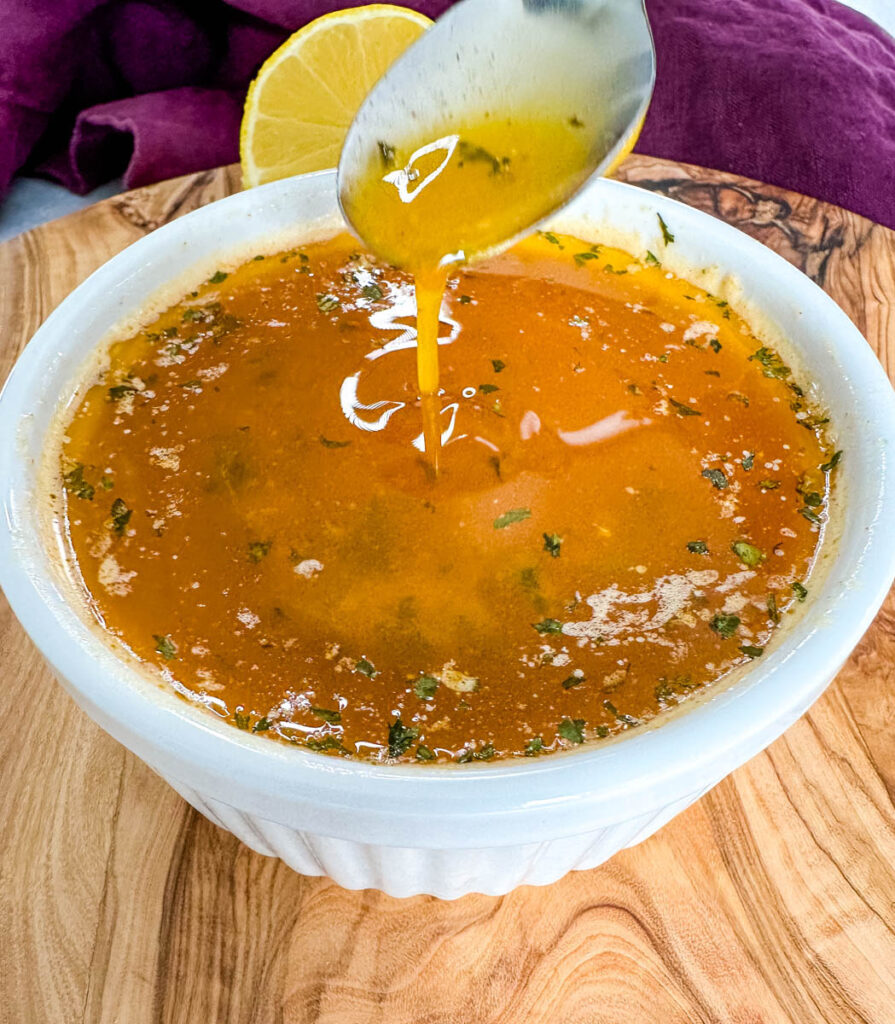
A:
[594,57]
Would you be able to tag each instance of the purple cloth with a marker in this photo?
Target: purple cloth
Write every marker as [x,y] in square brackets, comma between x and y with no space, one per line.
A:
[798,93]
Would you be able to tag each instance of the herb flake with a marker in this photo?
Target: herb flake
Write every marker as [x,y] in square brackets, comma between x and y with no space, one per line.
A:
[259,549]
[667,236]
[683,410]
[165,646]
[514,515]
[120,516]
[725,625]
[717,478]
[425,687]
[572,729]
[76,484]
[400,737]
[552,544]
[835,459]
[547,626]
[747,553]
[327,714]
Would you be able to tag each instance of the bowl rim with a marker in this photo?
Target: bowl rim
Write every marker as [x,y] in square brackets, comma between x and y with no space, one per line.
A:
[510,801]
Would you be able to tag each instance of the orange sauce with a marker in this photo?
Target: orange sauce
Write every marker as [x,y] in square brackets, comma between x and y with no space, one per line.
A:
[631,498]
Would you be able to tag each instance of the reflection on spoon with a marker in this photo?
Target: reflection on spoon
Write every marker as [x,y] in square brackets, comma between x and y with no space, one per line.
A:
[408,174]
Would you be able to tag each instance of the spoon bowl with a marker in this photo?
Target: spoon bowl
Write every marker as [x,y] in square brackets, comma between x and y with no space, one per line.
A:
[587,65]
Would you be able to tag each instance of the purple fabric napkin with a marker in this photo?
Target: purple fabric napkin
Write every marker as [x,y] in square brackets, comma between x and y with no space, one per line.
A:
[799,93]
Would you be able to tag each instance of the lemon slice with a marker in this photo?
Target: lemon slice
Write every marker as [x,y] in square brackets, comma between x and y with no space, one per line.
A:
[307,92]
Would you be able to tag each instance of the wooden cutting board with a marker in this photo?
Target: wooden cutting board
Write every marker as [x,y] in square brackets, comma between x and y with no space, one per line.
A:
[770,900]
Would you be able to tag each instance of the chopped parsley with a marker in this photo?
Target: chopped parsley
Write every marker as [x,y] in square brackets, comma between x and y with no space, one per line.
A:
[118,391]
[551,238]
[484,753]
[372,292]
[747,552]
[365,668]
[698,547]
[488,389]
[773,612]
[534,746]
[327,303]
[683,410]
[714,345]
[572,680]
[748,461]
[465,300]
[800,591]
[242,720]
[400,737]
[386,154]
[667,236]
[552,544]
[514,515]
[327,714]
[263,723]
[811,516]
[120,516]
[165,646]
[498,365]
[619,715]
[478,154]
[425,687]
[328,742]
[76,484]
[771,363]
[652,260]
[423,753]
[259,549]
[325,441]
[835,459]
[672,689]
[548,626]
[572,729]
[582,257]
[769,485]
[217,277]
[752,652]
[717,478]
[725,625]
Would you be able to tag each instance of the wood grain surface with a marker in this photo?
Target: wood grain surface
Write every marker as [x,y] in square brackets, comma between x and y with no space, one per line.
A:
[770,900]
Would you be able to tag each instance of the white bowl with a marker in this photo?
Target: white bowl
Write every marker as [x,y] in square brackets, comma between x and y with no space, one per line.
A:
[475,828]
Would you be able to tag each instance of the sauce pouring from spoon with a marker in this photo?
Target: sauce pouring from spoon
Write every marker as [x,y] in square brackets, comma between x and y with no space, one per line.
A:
[488,124]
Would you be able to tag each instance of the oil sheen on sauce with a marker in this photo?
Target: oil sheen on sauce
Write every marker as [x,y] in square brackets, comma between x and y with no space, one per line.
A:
[631,497]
